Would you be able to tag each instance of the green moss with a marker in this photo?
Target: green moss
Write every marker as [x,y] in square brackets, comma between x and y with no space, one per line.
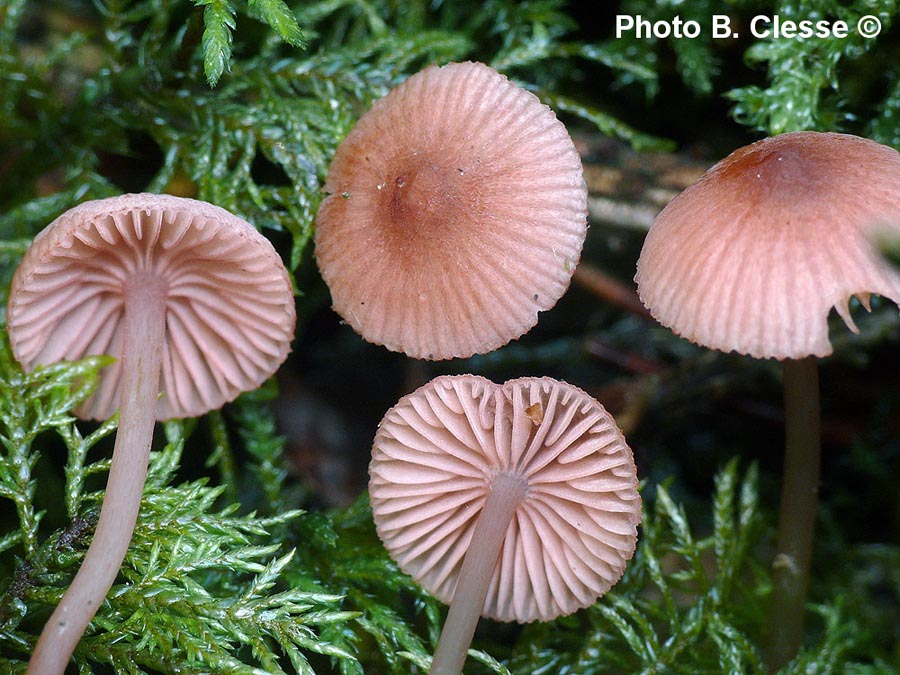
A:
[235,565]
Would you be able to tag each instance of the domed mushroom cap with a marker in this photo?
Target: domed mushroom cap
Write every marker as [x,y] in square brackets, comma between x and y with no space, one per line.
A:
[229,314]
[434,458]
[457,212]
[753,256]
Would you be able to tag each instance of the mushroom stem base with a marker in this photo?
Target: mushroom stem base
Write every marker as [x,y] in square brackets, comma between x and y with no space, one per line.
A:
[141,359]
[799,506]
[507,492]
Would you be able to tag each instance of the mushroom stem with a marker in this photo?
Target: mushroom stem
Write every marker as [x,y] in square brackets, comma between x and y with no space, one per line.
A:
[799,506]
[507,492]
[141,360]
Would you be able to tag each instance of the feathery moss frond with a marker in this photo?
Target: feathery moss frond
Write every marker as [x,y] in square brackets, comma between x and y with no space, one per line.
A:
[803,89]
[231,568]
[686,604]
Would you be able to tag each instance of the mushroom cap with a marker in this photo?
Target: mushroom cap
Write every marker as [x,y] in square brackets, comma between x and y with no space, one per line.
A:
[229,313]
[435,455]
[754,255]
[457,212]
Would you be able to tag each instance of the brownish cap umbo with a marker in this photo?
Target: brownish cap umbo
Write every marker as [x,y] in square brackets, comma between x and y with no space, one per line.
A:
[456,212]
[753,256]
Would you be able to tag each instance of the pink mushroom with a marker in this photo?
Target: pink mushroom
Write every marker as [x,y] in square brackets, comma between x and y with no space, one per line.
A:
[516,502]
[752,258]
[456,212]
[195,304]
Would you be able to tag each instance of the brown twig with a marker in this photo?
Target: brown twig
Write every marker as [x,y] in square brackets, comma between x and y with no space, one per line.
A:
[609,289]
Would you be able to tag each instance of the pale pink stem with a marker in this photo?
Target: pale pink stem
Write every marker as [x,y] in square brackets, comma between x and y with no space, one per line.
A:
[145,312]
[507,492]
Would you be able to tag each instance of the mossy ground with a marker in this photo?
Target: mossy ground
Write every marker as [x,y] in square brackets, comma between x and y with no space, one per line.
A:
[256,551]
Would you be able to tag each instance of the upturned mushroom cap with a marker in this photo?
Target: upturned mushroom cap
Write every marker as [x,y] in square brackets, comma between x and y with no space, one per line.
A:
[434,458]
[753,256]
[457,212]
[230,311]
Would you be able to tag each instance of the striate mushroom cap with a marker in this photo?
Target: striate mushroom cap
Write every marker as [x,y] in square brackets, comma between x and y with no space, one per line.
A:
[753,256]
[229,315]
[457,212]
[435,455]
